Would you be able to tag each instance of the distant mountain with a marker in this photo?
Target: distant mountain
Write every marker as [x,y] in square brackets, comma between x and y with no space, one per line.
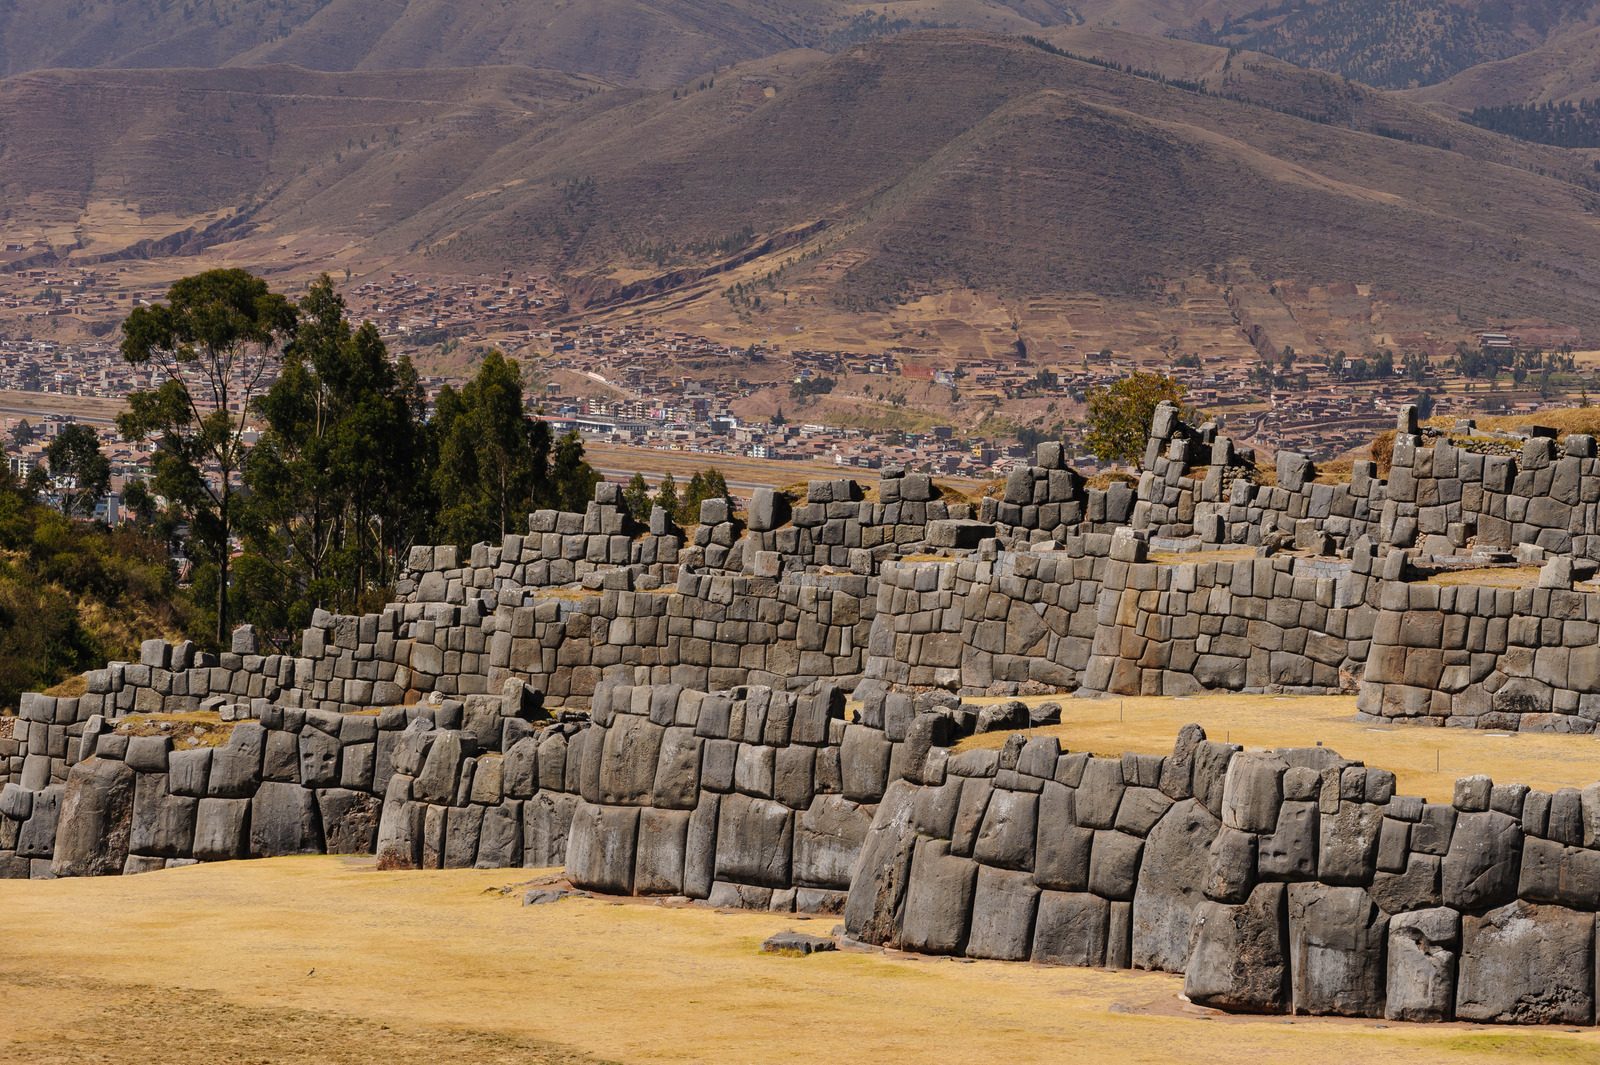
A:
[907,166]
[183,148]
[1398,43]
[1566,69]
[645,42]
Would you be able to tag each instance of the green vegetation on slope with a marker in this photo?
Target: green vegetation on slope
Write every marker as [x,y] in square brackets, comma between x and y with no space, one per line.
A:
[74,595]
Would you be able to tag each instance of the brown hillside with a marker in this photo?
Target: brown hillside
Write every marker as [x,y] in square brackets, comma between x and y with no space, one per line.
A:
[1565,69]
[188,145]
[910,166]
[946,159]
[646,42]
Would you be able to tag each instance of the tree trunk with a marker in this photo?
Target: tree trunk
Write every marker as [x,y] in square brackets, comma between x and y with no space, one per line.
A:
[223,632]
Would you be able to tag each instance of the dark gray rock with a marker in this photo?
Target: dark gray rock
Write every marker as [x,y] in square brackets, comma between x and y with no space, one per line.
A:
[1290,852]
[1071,928]
[755,838]
[1238,957]
[1347,850]
[1421,975]
[441,770]
[1527,964]
[628,759]
[188,772]
[827,839]
[95,821]
[221,829]
[663,839]
[1100,793]
[462,826]
[319,759]
[349,820]
[1114,865]
[1002,915]
[1485,857]
[601,846]
[877,890]
[1337,938]
[284,820]
[1252,791]
[864,759]
[546,826]
[938,902]
[1171,881]
[1233,866]
[163,825]
[1416,888]
[1006,838]
[796,943]
[500,841]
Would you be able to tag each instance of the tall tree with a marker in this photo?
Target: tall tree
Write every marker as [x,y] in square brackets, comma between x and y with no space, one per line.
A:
[667,495]
[706,484]
[636,497]
[489,453]
[571,481]
[492,462]
[336,481]
[216,339]
[82,474]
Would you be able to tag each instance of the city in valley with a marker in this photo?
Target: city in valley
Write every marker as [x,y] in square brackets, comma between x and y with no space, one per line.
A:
[626,384]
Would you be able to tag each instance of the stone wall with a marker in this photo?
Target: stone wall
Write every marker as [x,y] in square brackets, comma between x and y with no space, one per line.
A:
[443,785]
[753,797]
[1504,658]
[1286,881]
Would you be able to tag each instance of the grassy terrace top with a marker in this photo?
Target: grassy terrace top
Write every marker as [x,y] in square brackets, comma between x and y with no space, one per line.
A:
[1425,761]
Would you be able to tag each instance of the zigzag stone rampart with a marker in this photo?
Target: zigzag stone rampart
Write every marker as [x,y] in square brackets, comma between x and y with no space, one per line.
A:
[665,712]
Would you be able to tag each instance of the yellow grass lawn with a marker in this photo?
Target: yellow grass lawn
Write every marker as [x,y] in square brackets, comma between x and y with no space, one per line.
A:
[1425,760]
[325,960]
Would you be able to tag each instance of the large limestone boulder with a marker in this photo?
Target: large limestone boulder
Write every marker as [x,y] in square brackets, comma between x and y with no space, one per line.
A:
[1484,861]
[1171,884]
[601,847]
[1237,956]
[1527,964]
[878,885]
[284,820]
[1422,965]
[1071,928]
[938,907]
[1336,947]
[96,820]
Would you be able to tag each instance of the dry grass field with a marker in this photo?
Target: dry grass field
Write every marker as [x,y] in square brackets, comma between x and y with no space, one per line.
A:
[1426,761]
[326,960]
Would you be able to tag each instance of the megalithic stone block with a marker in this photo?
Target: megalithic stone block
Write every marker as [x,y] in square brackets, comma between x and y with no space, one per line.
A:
[1238,956]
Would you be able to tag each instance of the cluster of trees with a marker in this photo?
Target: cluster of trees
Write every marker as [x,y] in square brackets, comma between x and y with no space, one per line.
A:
[349,471]
[1523,364]
[1388,43]
[1375,367]
[74,594]
[816,386]
[74,470]
[683,506]
[1565,125]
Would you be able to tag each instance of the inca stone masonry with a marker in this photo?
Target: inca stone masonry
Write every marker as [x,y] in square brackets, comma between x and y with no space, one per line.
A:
[763,714]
